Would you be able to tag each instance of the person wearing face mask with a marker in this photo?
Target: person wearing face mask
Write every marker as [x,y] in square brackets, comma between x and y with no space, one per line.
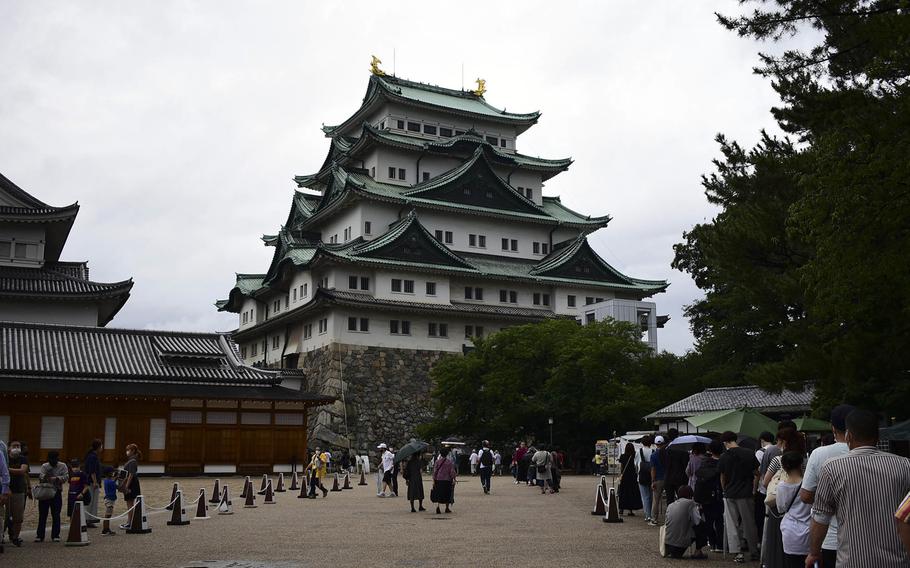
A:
[19,488]
[92,469]
[55,473]
[130,485]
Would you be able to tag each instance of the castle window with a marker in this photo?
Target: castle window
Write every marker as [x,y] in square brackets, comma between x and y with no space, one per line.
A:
[275,341]
[243,352]
[408,286]
[431,288]
[493,140]
[396,285]
[514,245]
[413,126]
[481,241]
[502,142]
[364,283]
[505,244]
[544,248]
[367,228]
[468,293]
[513,297]
[536,298]
[308,331]
[295,296]
[447,132]
[437,329]
[254,349]
[589,300]
[352,282]
[400,125]
[570,301]
[402,175]
[373,172]
[472,240]
[397,327]
[536,247]
[427,129]
[323,325]
[546,299]
[391,173]
[364,324]
[449,237]
[426,176]
[459,132]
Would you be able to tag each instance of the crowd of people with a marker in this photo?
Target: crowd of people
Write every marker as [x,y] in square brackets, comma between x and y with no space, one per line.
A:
[845,503]
[86,481]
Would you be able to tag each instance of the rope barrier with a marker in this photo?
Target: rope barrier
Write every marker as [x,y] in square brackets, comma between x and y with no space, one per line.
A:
[150,508]
[120,516]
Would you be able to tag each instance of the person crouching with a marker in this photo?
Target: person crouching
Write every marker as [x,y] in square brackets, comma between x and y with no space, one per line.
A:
[684,525]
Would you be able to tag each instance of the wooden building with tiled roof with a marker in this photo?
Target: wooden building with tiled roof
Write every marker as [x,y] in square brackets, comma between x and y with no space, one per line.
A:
[187,399]
[423,229]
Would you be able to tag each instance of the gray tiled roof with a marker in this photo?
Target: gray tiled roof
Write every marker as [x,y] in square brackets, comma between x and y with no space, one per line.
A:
[74,352]
[56,283]
[724,398]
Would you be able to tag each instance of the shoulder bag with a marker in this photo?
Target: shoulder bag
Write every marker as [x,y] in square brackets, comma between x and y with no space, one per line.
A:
[44,491]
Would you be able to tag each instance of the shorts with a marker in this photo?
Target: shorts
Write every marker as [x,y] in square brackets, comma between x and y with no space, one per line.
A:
[17,507]
[387,476]
[109,507]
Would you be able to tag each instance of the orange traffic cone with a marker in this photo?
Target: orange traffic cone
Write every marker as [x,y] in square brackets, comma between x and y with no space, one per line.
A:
[295,483]
[216,493]
[140,522]
[269,495]
[78,533]
[249,499]
[225,507]
[279,488]
[600,506]
[202,511]
[178,515]
[174,490]
[335,486]
[612,515]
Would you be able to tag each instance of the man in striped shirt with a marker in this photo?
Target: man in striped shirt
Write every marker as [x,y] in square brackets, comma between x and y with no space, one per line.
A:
[861,489]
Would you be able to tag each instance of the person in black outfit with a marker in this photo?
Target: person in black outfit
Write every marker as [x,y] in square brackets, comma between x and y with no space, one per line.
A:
[676,463]
[709,495]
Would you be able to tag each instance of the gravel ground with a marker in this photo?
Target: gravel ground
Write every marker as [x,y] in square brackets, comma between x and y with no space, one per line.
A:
[357,528]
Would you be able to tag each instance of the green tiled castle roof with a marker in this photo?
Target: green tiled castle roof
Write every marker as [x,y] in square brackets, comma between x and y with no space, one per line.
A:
[389,88]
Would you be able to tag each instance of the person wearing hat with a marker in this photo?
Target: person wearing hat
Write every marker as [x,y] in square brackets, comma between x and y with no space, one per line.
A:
[78,486]
[813,471]
[317,472]
[658,465]
[388,466]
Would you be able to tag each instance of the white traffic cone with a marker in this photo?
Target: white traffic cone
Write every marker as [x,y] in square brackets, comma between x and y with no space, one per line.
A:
[178,513]
[140,522]
[78,533]
[202,511]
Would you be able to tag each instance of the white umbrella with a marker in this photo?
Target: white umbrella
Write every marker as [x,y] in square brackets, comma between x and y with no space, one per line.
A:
[685,442]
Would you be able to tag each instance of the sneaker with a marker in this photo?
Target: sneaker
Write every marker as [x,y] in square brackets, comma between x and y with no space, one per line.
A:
[109,533]
[38,539]
[124,526]
[17,542]
[55,539]
[739,558]
[652,523]
[380,494]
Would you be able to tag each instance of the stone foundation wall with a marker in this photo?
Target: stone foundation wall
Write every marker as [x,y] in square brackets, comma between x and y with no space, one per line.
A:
[384,392]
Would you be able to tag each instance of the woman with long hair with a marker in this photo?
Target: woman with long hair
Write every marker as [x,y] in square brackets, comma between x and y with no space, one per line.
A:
[130,485]
[629,495]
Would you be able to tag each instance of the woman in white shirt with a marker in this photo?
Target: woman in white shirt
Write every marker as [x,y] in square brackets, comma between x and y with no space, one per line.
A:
[794,526]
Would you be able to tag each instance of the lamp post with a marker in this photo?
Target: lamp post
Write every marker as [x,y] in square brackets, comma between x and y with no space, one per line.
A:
[550,422]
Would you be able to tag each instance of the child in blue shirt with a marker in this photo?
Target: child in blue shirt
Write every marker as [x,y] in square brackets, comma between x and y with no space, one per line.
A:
[110,498]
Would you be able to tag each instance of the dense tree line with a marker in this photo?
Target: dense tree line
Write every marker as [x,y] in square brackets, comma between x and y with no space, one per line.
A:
[592,380]
[805,269]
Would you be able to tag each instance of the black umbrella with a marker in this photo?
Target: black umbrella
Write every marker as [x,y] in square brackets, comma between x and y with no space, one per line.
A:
[409,449]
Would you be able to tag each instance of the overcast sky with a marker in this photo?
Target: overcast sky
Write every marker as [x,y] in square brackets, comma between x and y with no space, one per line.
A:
[178,126]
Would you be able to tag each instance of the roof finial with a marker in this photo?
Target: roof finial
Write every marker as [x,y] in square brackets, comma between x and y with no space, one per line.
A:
[374,66]
[481,87]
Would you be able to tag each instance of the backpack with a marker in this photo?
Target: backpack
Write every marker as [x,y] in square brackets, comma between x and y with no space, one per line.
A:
[644,469]
[707,483]
[486,458]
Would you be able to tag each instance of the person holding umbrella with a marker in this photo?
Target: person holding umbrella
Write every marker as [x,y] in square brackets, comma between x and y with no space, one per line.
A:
[410,454]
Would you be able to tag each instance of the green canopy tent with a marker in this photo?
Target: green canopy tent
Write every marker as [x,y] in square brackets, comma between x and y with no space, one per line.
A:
[742,421]
[806,424]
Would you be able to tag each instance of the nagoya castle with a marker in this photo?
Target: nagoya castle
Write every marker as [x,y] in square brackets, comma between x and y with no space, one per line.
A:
[424,229]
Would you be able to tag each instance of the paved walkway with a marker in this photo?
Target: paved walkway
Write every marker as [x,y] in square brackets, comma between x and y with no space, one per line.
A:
[512,527]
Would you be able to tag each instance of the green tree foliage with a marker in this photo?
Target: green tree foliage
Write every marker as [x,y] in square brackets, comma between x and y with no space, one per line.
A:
[591,380]
[805,269]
